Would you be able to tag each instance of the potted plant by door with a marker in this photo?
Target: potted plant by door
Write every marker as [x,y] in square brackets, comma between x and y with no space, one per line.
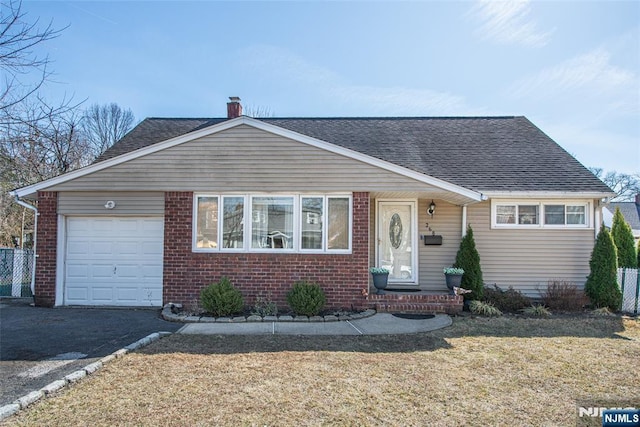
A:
[453,277]
[380,278]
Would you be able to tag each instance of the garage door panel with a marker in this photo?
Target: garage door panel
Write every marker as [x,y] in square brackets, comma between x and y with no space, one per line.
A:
[77,271]
[100,271]
[152,227]
[77,294]
[124,248]
[128,294]
[151,249]
[151,272]
[114,261]
[102,294]
[127,272]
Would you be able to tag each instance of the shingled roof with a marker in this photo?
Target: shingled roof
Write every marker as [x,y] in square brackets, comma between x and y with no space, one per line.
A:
[484,154]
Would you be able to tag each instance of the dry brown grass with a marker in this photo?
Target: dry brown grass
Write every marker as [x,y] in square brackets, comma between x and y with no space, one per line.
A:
[497,371]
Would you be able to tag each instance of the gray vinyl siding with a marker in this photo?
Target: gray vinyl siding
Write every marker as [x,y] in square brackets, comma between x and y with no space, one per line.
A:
[127,203]
[529,259]
[242,159]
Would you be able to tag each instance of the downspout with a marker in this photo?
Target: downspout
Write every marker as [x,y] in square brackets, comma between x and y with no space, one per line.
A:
[464,220]
[35,238]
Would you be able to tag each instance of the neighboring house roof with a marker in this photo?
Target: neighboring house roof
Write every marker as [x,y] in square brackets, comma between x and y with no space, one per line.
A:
[479,155]
[631,213]
[484,154]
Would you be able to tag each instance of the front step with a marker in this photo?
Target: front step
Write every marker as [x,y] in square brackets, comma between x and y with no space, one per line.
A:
[416,303]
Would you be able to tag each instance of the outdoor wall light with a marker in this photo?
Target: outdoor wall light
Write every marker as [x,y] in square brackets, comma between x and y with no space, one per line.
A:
[110,204]
[432,208]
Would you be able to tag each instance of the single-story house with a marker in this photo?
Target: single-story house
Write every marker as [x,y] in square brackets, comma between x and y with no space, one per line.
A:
[180,202]
[630,212]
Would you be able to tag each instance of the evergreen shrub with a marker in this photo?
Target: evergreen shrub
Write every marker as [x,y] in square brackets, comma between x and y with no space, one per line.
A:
[468,259]
[222,298]
[602,287]
[623,239]
[306,299]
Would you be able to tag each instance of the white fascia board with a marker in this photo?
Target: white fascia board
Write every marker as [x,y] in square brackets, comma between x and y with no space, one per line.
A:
[546,195]
[382,164]
[244,120]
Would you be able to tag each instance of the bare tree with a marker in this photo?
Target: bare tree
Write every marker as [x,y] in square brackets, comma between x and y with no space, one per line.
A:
[625,186]
[40,144]
[105,124]
[18,38]
[258,111]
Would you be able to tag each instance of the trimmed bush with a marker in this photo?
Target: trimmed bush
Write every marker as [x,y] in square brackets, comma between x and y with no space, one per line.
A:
[623,239]
[221,299]
[468,259]
[507,301]
[602,287]
[562,295]
[306,299]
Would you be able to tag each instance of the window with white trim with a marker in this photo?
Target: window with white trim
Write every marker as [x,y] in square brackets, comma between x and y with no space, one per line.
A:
[517,215]
[540,214]
[272,223]
[569,215]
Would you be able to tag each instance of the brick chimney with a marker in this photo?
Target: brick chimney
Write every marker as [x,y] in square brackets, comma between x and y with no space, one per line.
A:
[234,108]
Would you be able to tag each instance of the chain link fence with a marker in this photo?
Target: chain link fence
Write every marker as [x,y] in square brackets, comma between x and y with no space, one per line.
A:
[16,268]
[629,281]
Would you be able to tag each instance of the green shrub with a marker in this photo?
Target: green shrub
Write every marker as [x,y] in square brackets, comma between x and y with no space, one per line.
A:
[306,299]
[507,301]
[468,259]
[484,308]
[623,239]
[221,299]
[601,286]
[562,295]
[536,310]
[264,307]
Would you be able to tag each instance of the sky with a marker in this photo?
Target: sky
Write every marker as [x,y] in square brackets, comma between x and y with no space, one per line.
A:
[571,67]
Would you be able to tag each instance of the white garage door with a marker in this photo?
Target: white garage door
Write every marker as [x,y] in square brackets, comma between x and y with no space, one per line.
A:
[115,261]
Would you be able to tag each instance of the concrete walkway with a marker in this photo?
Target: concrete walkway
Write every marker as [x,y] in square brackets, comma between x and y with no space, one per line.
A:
[378,324]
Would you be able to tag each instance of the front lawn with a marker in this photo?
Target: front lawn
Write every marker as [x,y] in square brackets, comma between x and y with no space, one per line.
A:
[498,371]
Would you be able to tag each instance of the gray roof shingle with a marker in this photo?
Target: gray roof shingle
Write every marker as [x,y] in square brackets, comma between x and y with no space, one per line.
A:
[479,153]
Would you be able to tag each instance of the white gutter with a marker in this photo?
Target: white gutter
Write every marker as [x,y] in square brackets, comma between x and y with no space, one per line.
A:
[35,238]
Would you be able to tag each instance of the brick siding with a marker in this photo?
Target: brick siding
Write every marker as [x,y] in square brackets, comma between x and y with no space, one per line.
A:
[343,277]
[47,242]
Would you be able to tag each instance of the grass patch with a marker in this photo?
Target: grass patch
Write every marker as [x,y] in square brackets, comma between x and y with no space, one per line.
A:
[479,371]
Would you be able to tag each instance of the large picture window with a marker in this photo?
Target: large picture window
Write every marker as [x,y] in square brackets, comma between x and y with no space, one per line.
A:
[272,223]
[540,214]
[288,223]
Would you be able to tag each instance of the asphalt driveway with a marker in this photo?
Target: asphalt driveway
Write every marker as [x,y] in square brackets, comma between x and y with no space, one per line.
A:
[41,345]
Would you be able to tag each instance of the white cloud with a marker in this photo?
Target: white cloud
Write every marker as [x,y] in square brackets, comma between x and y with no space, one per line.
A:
[508,22]
[279,66]
[593,70]
[612,90]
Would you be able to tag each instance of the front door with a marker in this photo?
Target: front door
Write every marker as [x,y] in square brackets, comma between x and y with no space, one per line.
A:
[396,239]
